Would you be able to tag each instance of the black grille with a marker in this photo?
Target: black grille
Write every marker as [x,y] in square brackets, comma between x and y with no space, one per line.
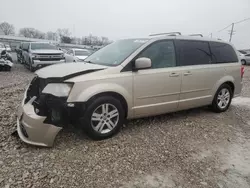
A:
[50,59]
[49,54]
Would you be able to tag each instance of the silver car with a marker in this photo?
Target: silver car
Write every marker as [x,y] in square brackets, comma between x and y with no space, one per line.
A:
[76,55]
[128,79]
[244,57]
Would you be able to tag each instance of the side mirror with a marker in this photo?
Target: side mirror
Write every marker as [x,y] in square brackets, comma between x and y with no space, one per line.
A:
[142,63]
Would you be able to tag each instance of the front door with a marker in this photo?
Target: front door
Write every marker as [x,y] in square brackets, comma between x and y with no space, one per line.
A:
[157,90]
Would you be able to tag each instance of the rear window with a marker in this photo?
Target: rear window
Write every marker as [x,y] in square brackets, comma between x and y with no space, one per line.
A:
[193,52]
[243,52]
[222,53]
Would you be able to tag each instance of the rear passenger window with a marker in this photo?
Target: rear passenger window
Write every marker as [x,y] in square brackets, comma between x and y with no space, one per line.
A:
[162,54]
[193,52]
[222,53]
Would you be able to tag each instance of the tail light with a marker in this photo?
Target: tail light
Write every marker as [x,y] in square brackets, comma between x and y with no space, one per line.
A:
[242,70]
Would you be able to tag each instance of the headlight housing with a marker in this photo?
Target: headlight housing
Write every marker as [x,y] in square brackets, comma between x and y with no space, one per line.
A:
[58,89]
[34,55]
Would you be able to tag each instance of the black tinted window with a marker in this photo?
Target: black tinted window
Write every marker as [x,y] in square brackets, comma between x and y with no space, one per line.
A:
[222,53]
[162,54]
[193,52]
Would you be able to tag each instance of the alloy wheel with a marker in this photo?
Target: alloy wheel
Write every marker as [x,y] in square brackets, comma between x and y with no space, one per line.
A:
[105,118]
[223,98]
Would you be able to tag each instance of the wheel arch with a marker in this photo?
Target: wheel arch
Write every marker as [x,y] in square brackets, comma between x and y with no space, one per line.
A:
[107,89]
[225,80]
[116,96]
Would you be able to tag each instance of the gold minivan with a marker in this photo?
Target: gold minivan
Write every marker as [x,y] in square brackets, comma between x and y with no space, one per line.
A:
[128,79]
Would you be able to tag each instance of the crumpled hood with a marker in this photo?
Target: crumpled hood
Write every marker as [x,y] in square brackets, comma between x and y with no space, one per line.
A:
[68,70]
[47,51]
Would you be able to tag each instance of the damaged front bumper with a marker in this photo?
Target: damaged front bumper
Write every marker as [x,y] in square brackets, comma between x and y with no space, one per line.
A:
[31,127]
[42,115]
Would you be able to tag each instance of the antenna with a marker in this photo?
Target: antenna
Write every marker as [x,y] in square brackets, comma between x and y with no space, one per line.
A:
[169,34]
[196,35]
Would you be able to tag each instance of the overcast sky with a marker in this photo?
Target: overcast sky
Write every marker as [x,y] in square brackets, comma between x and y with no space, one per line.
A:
[131,18]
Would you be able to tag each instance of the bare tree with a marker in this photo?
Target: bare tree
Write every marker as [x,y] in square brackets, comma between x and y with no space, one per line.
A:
[51,35]
[95,40]
[32,33]
[7,28]
[64,35]
[63,32]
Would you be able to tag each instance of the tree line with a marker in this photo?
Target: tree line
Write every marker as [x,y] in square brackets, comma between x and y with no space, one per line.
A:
[62,35]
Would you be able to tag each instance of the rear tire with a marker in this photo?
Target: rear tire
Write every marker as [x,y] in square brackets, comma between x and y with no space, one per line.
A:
[222,98]
[103,117]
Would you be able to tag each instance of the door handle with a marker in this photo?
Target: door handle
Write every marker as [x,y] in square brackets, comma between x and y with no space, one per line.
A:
[173,74]
[187,73]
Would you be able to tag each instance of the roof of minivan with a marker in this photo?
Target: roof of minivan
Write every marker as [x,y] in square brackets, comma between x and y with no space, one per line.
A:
[183,37]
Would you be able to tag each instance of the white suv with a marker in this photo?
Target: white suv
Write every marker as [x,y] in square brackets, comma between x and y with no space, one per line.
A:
[128,79]
[41,54]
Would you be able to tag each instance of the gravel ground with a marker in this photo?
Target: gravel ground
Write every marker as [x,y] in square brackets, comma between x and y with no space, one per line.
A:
[194,148]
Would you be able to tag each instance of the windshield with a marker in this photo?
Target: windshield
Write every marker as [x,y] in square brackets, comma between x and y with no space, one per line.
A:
[115,53]
[38,46]
[82,53]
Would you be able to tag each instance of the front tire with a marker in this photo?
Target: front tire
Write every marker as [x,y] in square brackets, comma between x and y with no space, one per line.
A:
[32,69]
[222,98]
[103,117]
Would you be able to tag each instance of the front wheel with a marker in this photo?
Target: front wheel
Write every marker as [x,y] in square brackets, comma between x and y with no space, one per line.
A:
[32,69]
[222,98]
[103,118]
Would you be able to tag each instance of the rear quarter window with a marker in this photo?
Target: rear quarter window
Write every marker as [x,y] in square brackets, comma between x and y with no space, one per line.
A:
[222,53]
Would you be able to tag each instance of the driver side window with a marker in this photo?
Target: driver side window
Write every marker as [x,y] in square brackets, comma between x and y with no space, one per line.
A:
[162,54]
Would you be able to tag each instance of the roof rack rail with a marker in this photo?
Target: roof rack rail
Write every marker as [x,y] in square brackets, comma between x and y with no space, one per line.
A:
[196,35]
[169,34]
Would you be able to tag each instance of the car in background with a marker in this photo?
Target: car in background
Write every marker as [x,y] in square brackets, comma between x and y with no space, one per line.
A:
[2,47]
[40,54]
[75,55]
[244,57]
